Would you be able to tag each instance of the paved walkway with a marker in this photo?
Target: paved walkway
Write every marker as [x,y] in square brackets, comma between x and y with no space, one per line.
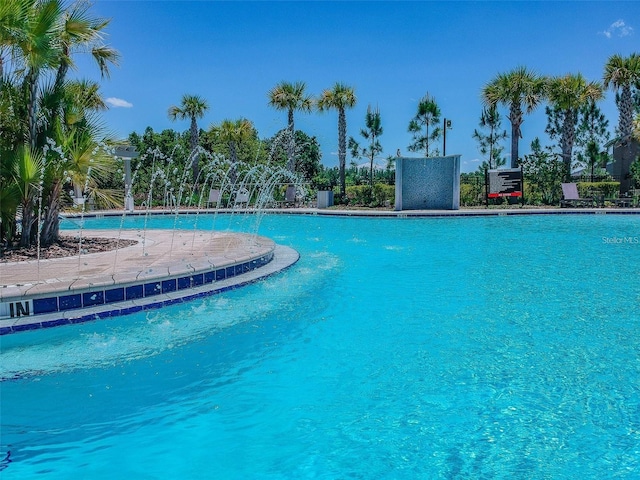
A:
[368,212]
[159,255]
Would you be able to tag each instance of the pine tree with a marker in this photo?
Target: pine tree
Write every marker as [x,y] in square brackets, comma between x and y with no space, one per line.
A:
[427,117]
[592,134]
[489,144]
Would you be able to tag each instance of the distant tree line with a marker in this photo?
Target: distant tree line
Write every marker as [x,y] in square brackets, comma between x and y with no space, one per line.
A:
[56,153]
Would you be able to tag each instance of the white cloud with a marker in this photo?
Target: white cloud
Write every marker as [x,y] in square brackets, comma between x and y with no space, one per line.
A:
[618,29]
[118,102]
[469,162]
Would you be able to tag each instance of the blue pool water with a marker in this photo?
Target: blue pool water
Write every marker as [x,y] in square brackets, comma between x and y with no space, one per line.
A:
[395,348]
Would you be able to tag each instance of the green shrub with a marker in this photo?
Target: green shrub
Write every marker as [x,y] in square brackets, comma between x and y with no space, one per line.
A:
[358,194]
[471,194]
[383,195]
[534,195]
[608,189]
[362,195]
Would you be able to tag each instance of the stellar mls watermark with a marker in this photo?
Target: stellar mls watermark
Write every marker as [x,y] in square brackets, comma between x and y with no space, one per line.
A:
[621,240]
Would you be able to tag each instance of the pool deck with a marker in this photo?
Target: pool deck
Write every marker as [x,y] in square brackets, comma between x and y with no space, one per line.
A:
[182,264]
[367,212]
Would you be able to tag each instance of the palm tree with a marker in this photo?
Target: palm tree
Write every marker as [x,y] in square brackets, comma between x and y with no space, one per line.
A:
[622,74]
[13,17]
[372,132]
[40,37]
[81,33]
[518,88]
[568,94]
[25,169]
[234,133]
[80,164]
[428,115]
[290,97]
[192,107]
[36,45]
[339,97]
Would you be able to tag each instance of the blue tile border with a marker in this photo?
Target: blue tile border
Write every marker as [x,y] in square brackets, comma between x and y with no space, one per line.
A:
[114,295]
[75,302]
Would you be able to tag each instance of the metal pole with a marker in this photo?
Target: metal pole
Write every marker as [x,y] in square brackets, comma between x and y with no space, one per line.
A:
[444,139]
[127,153]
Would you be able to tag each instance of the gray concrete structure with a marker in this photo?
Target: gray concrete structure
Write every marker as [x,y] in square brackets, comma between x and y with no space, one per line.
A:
[325,198]
[624,155]
[428,183]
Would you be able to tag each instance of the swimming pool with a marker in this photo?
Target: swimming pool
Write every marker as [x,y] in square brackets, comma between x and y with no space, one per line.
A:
[502,347]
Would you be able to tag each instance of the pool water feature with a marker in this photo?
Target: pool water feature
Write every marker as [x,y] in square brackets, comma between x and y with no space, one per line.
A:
[501,347]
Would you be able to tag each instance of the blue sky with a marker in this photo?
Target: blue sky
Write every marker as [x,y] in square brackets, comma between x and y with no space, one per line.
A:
[392,53]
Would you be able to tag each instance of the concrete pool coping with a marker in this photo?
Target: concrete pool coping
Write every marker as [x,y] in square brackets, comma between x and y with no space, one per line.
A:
[164,267]
[463,212]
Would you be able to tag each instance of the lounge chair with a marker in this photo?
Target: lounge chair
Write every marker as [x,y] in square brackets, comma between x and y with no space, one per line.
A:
[624,202]
[214,197]
[242,198]
[571,198]
[290,196]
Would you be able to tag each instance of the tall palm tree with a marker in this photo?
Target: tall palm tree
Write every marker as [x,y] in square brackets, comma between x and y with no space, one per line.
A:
[339,97]
[13,18]
[428,115]
[192,107]
[82,33]
[35,44]
[520,88]
[40,38]
[41,35]
[621,74]
[568,94]
[290,97]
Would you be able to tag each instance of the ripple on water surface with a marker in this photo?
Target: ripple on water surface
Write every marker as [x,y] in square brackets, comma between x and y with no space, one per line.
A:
[428,348]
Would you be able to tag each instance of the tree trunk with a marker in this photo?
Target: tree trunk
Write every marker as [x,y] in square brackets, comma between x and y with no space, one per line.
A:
[51,222]
[566,141]
[491,143]
[233,172]
[59,82]
[515,117]
[32,86]
[342,149]
[371,174]
[626,113]
[426,139]
[291,146]
[27,223]
[195,167]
